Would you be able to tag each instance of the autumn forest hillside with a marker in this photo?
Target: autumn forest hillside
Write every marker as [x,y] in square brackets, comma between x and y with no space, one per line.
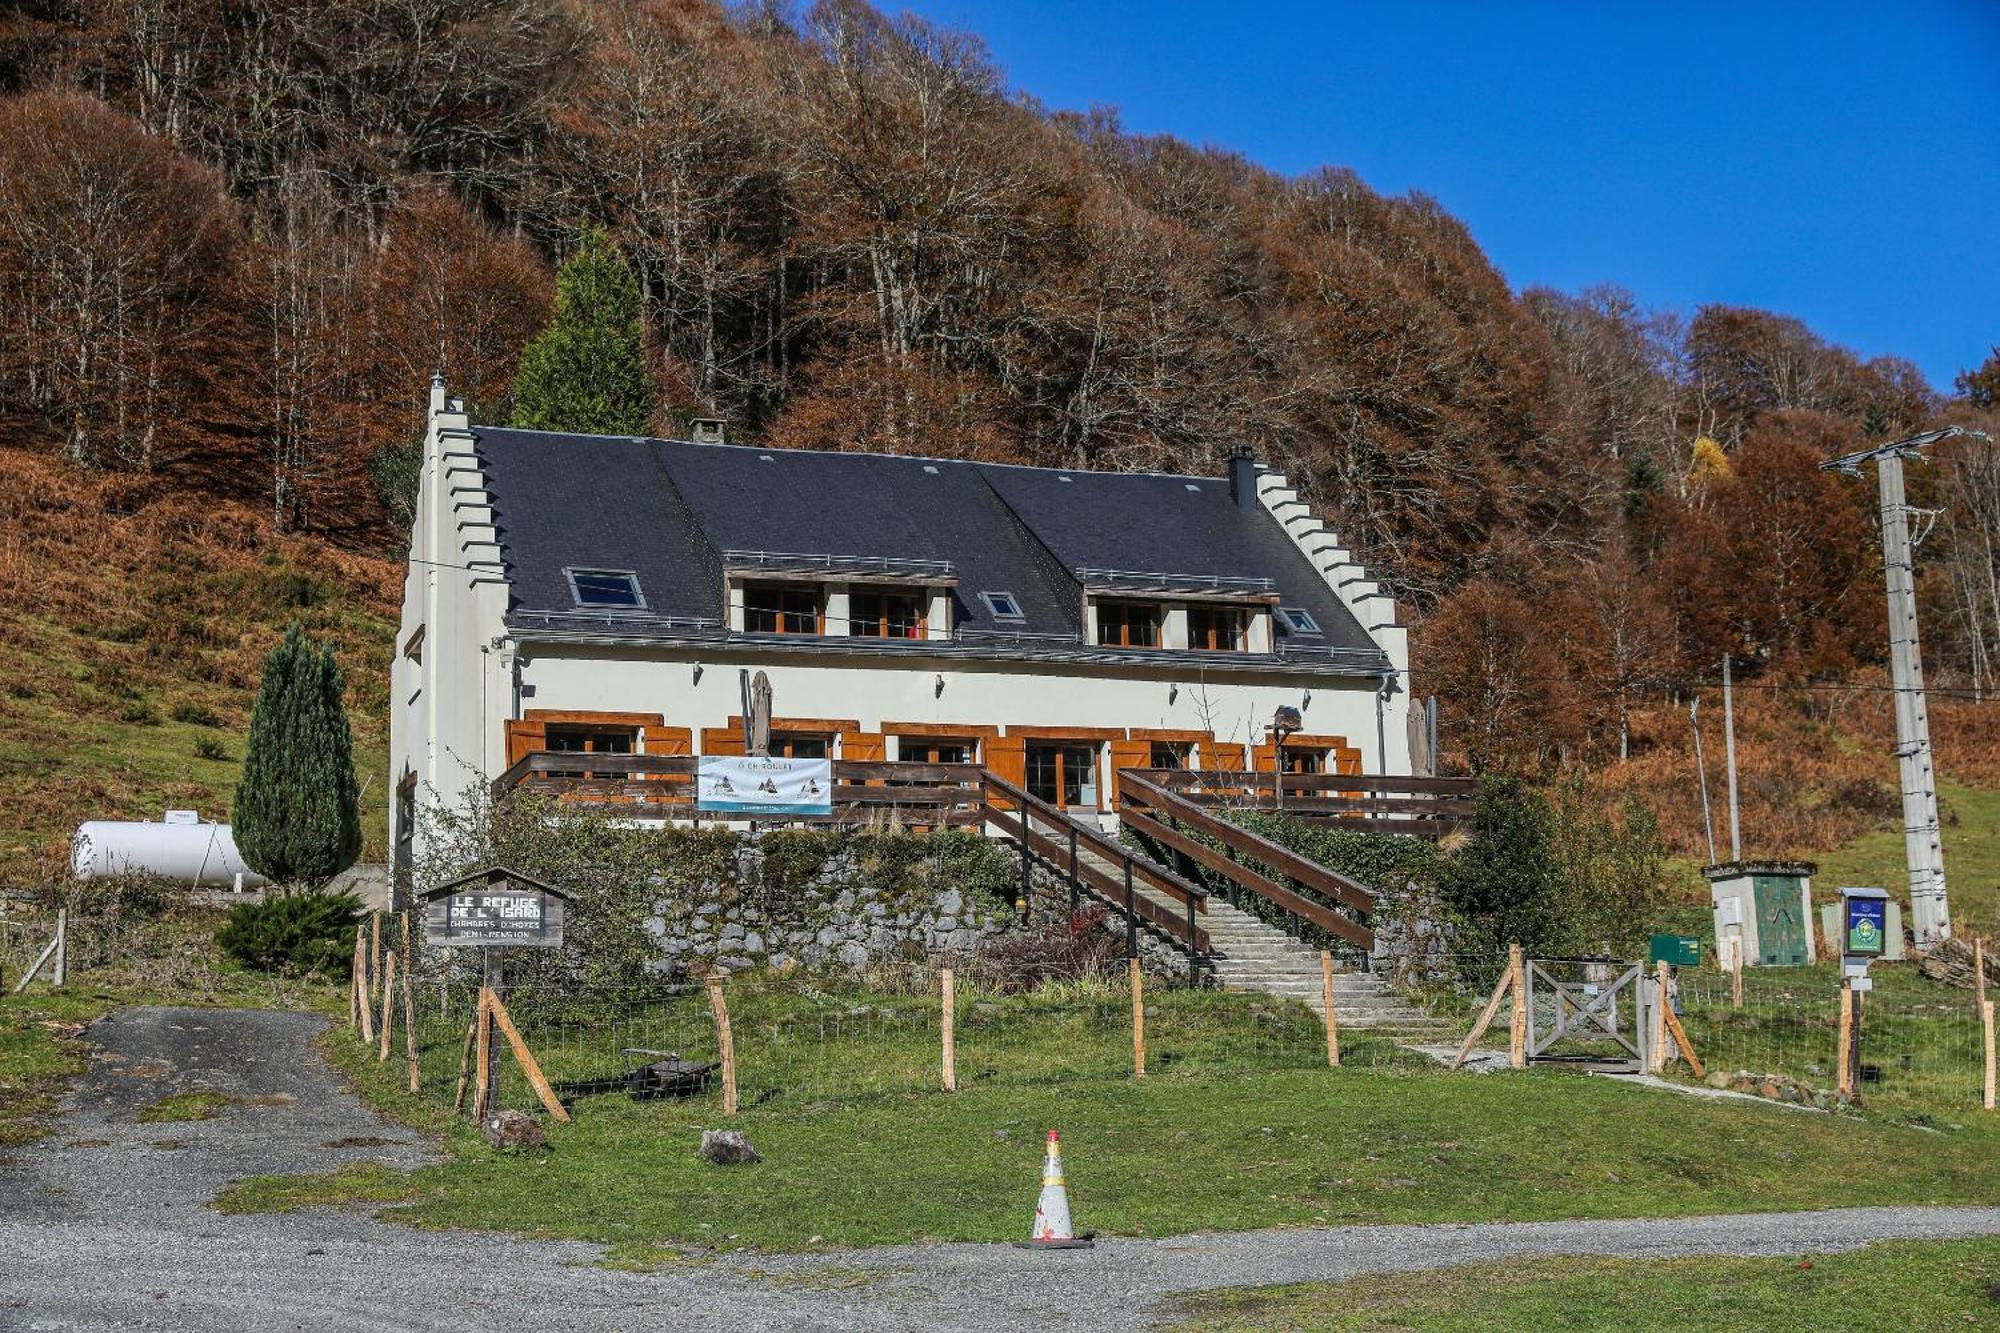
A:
[236,240]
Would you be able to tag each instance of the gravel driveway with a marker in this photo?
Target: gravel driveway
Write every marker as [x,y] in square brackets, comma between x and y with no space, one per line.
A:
[106,1225]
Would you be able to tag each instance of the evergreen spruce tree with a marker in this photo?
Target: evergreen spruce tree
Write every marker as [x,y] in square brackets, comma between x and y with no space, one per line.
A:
[586,371]
[296,817]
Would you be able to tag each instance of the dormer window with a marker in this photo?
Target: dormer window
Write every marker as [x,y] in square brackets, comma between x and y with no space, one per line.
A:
[1128,624]
[1218,629]
[608,588]
[886,613]
[782,609]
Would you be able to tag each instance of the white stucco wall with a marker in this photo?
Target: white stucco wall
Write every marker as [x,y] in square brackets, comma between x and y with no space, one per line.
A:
[1234,705]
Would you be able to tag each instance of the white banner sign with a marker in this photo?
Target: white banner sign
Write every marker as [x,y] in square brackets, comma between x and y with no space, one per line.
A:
[748,785]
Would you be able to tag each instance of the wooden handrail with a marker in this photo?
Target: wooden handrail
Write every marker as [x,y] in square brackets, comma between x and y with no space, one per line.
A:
[1303,869]
[1099,841]
[1324,917]
[1173,924]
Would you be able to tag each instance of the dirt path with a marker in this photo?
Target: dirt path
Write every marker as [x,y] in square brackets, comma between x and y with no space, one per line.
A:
[105,1225]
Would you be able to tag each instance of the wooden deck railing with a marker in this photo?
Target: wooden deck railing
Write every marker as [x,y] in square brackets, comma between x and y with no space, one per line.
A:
[1096,865]
[1366,802]
[657,786]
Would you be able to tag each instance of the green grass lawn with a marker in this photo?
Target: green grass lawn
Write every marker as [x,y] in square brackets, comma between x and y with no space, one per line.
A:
[1194,1145]
[1893,1287]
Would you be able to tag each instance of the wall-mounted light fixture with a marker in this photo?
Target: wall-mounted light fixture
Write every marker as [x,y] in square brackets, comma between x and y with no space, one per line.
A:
[697,673]
[1173,693]
[938,691]
[1306,702]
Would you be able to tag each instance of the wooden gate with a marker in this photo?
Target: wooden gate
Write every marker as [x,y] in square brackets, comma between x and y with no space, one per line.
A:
[1597,1009]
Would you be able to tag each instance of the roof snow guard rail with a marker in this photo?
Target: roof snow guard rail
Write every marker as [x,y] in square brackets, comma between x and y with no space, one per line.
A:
[819,562]
[1136,580]
[597,616]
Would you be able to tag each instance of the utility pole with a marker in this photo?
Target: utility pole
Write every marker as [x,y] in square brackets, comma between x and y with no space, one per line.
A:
[1701,771]
[1729,748]
[1923,845]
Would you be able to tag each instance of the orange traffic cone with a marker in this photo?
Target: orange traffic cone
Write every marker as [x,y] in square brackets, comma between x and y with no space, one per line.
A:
[1053,1230]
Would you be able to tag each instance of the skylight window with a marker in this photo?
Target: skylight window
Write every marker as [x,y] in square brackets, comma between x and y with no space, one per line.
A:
[1298,620]
[612,588]
[1003,606]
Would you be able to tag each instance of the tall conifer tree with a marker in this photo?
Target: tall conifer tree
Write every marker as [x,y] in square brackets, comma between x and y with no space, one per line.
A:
[586,371]
[297,814]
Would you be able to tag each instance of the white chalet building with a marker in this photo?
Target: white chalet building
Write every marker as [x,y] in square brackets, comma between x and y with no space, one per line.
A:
[600,593]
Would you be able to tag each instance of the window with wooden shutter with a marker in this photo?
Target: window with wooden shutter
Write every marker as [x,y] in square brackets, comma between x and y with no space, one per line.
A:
[1129,754]
[722,740]
[525,736]
[1226,755]
[1007,756]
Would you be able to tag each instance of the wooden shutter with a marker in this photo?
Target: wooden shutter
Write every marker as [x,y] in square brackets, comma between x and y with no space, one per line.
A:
[666,740]
[721,740]
[525,738]
[1264,758]
[1127,754]
[1346,759]
[1007,756]
[865,747]
[1224,755]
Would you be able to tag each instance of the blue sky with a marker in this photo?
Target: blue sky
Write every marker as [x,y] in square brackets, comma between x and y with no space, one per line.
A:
[1835,161]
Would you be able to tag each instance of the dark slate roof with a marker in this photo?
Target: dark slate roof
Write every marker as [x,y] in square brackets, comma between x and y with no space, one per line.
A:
[668,510]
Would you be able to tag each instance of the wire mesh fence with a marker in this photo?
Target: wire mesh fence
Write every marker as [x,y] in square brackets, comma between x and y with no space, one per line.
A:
[802,1042]
[805,1043]
[1775,1032]
[1918,1045]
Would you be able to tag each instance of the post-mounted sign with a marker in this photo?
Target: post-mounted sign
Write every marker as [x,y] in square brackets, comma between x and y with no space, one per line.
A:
[495,908]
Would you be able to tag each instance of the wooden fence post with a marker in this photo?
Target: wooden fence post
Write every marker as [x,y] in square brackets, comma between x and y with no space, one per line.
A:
[1844,1059]
[410,1028]
[1979,966]
[1659,1033]
[1517,1025]
[62,946]
[354,1001]
[723,1039]
[949,1072]
[388,1004]
[526,1059]
[1326,998]
[1986,1023]
[1485,1020]
[367,998]
[1138,1020]
[1736,972]
[374,955]
[485,1055]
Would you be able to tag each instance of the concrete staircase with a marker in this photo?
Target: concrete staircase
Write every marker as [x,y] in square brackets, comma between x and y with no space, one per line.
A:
[1252,955]
[1249,954]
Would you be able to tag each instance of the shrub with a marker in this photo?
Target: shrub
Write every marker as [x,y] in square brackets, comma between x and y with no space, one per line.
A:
[296,811]
[1079,949]
[208,747]
[195,714]
[293,933]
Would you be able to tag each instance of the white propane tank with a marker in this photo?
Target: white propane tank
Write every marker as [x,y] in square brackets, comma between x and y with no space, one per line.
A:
[180,847]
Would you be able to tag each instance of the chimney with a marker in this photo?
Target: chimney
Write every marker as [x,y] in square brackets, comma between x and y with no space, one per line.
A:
[1243,477]
[706,430]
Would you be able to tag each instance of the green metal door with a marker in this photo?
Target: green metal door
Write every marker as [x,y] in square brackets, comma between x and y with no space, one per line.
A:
[1781,925]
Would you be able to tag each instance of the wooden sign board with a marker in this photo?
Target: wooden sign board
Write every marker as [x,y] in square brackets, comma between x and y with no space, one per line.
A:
[494,909]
